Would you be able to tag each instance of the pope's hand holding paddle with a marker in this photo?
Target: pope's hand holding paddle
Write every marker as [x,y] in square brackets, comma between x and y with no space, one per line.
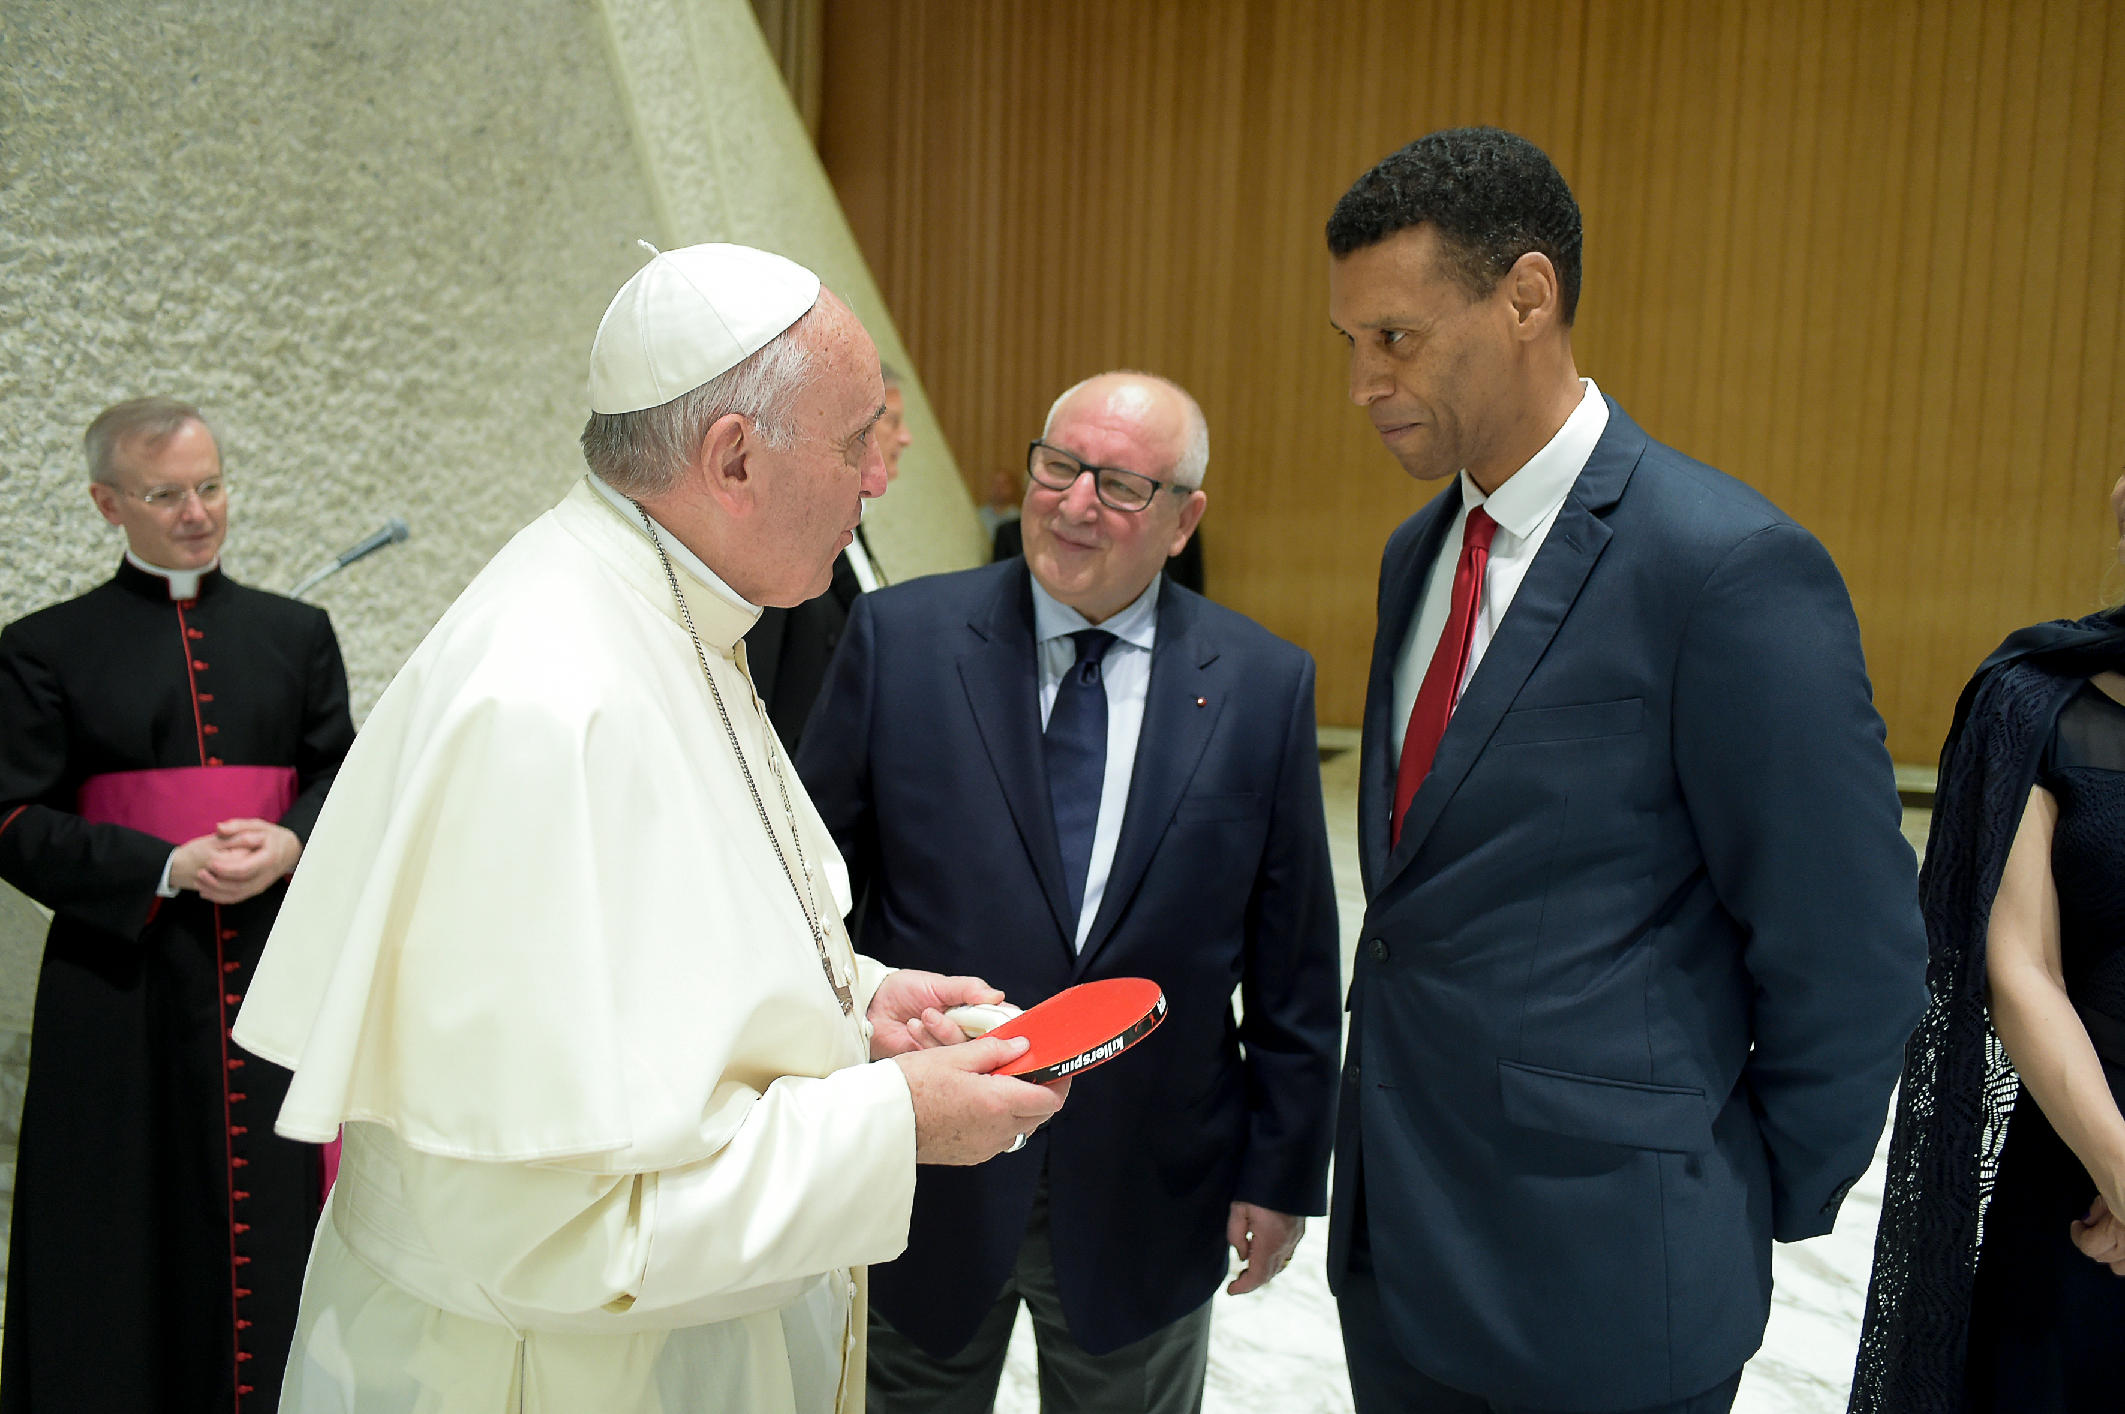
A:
[963,1114]
[907,1013]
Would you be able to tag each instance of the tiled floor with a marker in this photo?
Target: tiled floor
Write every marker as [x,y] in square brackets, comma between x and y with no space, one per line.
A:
[1279,1350]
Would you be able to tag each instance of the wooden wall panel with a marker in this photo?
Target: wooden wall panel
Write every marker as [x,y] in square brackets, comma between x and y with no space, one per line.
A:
[1862,255]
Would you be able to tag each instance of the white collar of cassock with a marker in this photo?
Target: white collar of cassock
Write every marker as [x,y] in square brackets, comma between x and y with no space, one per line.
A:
[184,584]
[721,614]
[1136,625]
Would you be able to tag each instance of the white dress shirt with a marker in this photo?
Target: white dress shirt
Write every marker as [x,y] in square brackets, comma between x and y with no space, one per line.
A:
[1525,507]
[1126,671]
[860,561]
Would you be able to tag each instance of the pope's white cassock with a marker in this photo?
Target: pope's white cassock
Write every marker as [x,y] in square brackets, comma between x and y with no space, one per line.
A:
[611,1143]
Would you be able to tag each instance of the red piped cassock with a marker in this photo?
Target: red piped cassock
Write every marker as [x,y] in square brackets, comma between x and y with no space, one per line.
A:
[160,1226]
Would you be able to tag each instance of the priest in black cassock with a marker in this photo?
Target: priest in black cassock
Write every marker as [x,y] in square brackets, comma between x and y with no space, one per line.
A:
[166,741]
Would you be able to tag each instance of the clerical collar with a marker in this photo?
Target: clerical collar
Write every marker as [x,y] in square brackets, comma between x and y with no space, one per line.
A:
[183,584]
[719,614]
[1136,625]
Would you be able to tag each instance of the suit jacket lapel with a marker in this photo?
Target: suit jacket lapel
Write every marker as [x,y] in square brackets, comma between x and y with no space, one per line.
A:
[1168,750]
[1401,586]
[1002,682]
[1545,596]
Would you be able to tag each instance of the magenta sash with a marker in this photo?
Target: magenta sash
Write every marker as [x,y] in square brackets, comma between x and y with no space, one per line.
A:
[184,802]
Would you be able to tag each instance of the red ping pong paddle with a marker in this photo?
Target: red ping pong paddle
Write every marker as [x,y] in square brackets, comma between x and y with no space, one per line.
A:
[1083,1026]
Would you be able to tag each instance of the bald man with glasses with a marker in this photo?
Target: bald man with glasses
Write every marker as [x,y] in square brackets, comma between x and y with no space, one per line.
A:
[166,741]
[1063,768]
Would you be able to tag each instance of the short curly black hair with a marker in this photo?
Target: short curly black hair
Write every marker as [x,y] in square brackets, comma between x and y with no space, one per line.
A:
[1493,195]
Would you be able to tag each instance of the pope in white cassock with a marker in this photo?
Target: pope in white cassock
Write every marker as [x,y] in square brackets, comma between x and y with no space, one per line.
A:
[625,1116]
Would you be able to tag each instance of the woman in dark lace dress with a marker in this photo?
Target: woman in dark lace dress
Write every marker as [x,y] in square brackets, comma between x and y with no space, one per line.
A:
[1997,1268]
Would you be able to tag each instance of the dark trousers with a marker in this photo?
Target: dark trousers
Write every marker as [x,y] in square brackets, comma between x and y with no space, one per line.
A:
[1160,1374]
[1382,1381]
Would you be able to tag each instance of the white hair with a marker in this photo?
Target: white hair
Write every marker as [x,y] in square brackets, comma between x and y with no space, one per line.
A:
[642,453]
[1195,449]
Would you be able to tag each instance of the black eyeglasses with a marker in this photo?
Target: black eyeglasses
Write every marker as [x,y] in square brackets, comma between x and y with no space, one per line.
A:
[1122,490]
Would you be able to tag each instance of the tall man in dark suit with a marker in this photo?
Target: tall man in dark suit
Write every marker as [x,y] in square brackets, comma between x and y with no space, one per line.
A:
[1641,942]
[787,650]
[1061,768]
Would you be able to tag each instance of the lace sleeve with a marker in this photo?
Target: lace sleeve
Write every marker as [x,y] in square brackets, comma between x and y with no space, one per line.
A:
[1958,1088]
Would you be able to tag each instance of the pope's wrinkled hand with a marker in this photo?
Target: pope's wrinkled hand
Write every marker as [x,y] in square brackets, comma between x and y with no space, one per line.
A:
[963,1114]
[908,1011]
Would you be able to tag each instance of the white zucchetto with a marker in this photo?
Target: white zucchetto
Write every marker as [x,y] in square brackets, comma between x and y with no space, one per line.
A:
[690,315]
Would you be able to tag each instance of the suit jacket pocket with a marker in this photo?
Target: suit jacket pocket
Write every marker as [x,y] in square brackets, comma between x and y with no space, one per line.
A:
[1196,809]
[1573,723]
[1668,1118]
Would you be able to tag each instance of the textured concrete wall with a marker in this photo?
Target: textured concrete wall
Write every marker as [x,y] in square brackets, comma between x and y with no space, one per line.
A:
[728,156]
[373,239]
[22,926]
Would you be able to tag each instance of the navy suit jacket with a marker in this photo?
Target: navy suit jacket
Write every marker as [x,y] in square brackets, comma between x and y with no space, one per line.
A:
[924,757]
[1632,990]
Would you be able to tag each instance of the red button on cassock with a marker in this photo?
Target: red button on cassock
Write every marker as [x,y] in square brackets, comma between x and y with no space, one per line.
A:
[241,1261]
[232,998]
[239,1129]
[209,729]
[243,1227]
[240,1164]
[236,1065]
[199,664]
[193,633]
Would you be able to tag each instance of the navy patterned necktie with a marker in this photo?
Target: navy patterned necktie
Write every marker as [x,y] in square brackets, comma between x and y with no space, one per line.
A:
[1076,748]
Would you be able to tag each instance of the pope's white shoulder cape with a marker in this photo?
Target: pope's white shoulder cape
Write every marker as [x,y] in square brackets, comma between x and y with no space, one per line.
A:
[539,918]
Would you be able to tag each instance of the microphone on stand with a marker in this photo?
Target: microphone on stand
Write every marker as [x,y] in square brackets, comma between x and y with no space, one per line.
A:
[392,531]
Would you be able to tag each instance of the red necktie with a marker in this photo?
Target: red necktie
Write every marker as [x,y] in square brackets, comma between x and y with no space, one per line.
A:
[1442,680]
